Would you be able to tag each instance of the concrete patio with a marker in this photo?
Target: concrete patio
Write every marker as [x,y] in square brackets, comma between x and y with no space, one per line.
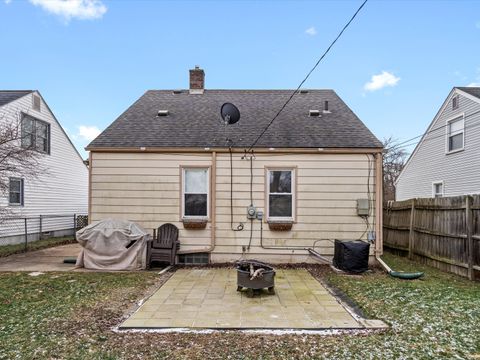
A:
[207,298]
[50,259]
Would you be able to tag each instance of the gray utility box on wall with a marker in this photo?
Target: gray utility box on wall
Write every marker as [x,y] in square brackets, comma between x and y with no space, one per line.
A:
[363,208]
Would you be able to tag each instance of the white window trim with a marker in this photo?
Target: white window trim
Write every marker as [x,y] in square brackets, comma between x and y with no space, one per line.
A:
[433,188]
[182,211]
[452,119]
[293,192]
[22,192]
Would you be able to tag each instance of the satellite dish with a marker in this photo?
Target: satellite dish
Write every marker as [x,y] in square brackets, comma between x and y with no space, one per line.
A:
[230,113]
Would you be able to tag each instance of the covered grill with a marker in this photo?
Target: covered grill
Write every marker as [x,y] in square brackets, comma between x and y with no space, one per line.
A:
[255,275]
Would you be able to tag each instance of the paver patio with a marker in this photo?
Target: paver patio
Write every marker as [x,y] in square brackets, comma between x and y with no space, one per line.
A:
[207,298]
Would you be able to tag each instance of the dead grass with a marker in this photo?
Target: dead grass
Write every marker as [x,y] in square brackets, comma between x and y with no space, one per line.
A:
[71,316]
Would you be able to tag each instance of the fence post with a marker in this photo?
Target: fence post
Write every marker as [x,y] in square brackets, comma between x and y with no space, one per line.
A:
[469,225]
[74,226]
[411,235]
[40,228]
[26,234]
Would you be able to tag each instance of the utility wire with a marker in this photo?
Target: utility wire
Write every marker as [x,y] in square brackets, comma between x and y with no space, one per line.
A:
[399,145]
[306,77]
[408,143]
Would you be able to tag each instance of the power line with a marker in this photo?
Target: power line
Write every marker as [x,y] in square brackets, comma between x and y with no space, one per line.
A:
[466,127]
[426,133]
[308,75]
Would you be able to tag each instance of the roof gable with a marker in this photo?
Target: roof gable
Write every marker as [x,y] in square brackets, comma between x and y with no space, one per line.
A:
[453,92]
[195,121]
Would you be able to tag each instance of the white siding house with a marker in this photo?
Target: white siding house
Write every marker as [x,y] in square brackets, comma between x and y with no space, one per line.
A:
[446,161]
[62,189]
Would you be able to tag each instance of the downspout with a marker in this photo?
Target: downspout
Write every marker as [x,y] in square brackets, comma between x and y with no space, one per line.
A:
[213,202]
[379,225]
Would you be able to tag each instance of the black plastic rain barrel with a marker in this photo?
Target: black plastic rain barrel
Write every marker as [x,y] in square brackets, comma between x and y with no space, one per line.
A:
[351,256]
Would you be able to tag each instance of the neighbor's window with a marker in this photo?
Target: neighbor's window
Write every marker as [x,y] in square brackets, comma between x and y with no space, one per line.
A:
[280,194]
[35,134]
[455,134]
[455,101]
[437,189]
[15,195]
[195,192]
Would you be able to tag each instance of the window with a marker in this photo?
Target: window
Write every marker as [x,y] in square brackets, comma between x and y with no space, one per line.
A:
[195,193]
[455,101]
[280,194]
[455,134]
[15,195]
[35,134]
[437,189]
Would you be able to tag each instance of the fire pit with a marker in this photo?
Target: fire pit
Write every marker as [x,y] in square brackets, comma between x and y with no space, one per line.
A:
[255,275]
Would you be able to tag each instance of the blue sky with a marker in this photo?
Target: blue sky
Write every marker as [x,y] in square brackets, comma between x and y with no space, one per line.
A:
[92,59]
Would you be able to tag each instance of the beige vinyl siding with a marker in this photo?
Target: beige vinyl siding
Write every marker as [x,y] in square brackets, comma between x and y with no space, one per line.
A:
[146,188]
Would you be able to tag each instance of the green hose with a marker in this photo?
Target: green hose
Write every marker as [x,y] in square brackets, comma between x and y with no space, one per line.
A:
[399,274]
[406,276]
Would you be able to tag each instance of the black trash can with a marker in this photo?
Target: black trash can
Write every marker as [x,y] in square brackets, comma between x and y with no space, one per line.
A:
[351,256]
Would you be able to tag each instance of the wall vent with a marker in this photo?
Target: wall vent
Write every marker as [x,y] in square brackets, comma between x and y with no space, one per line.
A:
[162,113]
[36,102]
[315,113]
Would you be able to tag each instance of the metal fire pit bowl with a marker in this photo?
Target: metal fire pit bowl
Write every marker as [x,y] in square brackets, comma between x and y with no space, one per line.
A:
[265,280]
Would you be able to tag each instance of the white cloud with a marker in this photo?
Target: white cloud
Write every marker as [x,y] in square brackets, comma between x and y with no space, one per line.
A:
[380,81]
[88,132]
[68,9]
[311,31]
[477,24]
[7,1]
[474,84]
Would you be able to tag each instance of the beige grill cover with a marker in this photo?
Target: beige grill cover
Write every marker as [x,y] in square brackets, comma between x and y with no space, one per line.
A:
[106,245]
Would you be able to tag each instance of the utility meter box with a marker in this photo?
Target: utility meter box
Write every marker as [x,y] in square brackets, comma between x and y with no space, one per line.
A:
[363,208]
[251,212]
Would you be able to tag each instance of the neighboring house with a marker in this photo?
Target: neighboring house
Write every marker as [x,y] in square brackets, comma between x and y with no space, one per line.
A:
[62,189]
[446,161]
[167,159]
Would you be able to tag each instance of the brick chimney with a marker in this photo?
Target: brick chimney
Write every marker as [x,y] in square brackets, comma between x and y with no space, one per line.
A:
[197,80]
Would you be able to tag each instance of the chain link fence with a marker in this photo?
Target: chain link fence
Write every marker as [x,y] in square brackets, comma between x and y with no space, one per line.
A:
[26,231]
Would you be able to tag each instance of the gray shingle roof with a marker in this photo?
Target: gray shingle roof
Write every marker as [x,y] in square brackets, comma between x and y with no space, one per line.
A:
[194,121]
[475,91]
[7,96]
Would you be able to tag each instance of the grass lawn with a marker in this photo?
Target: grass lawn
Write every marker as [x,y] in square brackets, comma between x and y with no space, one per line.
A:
[70,315]
[6,250]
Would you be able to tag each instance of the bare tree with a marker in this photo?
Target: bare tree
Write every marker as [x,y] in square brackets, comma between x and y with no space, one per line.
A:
[16,159]
[394,158]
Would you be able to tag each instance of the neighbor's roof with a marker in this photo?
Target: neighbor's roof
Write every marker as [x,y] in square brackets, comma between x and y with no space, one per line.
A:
[7,96]
[194,121]
[475,91]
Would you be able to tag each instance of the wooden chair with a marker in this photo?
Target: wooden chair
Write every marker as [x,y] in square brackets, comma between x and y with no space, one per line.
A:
[164,245]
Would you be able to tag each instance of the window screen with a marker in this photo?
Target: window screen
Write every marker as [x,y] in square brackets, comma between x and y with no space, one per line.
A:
[455,134]
[195,196]
[15,196]
[280,197]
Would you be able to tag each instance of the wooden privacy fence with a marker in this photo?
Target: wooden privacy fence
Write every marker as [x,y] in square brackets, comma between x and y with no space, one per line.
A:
[443,232]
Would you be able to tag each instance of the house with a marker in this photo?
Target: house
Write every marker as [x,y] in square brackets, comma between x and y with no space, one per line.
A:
[170,158]
[446,160]
[61,188]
